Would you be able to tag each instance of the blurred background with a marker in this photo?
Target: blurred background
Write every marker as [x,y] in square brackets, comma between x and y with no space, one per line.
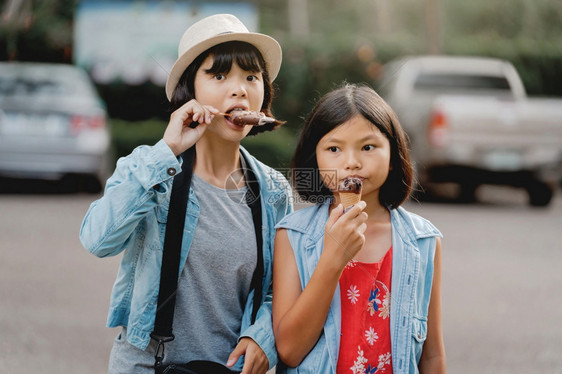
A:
[81,83]
[127,48]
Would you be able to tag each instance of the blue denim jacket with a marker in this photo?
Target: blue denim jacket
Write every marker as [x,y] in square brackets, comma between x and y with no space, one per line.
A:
[413,243]
[131,218]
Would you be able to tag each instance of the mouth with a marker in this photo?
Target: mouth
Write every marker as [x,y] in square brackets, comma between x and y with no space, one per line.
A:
[351,183]
[234,109]
[354,176]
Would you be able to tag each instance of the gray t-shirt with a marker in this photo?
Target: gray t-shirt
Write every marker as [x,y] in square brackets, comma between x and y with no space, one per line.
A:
[212,289]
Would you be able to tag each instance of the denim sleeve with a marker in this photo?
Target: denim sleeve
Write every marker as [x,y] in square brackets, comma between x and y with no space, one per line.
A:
[287,203]
[283,198]
[262,332]
[139,183]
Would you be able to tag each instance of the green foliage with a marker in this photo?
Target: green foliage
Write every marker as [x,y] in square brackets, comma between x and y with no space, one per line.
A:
[135,103]
[128,135]
[273,148]
[38,31]
[307,74]
[537,19]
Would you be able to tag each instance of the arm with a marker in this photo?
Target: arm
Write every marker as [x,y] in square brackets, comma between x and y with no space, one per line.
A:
[299,315]
[140,181]
[138,184]
[433,355]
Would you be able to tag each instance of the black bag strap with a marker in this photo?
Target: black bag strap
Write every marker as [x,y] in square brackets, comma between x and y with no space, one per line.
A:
[172,249]
[254,202]
[172,246]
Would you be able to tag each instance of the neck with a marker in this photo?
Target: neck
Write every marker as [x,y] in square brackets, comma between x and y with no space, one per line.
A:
[375,210]
[216,160]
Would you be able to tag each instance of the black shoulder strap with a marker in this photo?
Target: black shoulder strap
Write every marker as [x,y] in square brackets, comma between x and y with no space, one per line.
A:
[254,201]
[173,238]
[172,248]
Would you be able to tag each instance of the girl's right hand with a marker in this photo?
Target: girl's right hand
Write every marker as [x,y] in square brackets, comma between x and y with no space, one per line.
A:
[344,234]
[178,135]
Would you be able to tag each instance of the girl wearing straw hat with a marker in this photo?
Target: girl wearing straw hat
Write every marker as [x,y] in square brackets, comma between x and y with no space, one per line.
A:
[221,68]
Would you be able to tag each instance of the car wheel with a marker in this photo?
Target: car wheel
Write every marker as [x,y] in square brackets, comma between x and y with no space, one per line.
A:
[467,192]
[91,184]
[540,193]
[69,184]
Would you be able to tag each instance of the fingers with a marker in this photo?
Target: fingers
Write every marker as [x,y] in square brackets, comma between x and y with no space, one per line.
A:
[187,125]
[255,360]
[362,228]
[354,215]
[202,113]
[193,111]
[334,216]
[238,351]
[345,232]
[356,209]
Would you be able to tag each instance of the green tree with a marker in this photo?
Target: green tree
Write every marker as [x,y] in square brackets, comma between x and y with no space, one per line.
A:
[37,30]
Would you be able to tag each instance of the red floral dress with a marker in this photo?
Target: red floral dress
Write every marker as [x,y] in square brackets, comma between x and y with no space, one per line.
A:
[365,317]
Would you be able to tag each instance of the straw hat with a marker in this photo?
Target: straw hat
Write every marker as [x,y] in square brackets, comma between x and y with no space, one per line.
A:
[214,30]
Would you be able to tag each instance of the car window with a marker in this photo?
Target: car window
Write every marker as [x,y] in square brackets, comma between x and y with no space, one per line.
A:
[10,87]
[459,82]
[64,82]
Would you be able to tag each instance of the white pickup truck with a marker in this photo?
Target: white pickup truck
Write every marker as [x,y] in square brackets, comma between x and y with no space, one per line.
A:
[470,122]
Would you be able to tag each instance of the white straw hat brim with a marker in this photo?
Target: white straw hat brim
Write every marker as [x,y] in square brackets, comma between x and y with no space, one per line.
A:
[268,47]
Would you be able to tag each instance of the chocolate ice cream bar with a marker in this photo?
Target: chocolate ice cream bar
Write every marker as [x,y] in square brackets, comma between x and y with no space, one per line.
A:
[247,117]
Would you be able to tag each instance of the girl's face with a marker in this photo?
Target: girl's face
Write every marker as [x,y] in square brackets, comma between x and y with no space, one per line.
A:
[354,148]
[226,91]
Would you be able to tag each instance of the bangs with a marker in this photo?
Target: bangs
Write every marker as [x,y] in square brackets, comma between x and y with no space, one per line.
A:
[245,55]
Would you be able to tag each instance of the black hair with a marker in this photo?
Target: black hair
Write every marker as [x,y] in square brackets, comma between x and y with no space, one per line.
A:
[332,110]
[246,56]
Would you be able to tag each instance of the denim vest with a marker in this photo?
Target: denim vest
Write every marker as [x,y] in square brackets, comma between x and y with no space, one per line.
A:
[131,218]
[413,243]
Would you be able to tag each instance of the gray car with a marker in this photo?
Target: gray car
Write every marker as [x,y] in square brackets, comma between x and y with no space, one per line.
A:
[53,125]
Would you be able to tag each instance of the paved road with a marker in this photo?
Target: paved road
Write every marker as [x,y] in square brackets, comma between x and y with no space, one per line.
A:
[501,284]
[502,299]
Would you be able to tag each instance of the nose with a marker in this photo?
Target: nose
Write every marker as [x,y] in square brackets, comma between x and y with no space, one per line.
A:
[239,88]
[352,161]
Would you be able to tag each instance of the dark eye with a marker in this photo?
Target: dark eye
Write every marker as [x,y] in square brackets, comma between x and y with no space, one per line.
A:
[252,78]
[333,149]
[220,77]
[369,147]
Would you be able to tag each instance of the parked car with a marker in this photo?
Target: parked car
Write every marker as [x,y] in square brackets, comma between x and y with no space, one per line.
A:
[53,125]
[470,122]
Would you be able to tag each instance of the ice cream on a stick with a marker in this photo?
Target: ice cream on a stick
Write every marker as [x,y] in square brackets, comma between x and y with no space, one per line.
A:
[350,191]
[248,117]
